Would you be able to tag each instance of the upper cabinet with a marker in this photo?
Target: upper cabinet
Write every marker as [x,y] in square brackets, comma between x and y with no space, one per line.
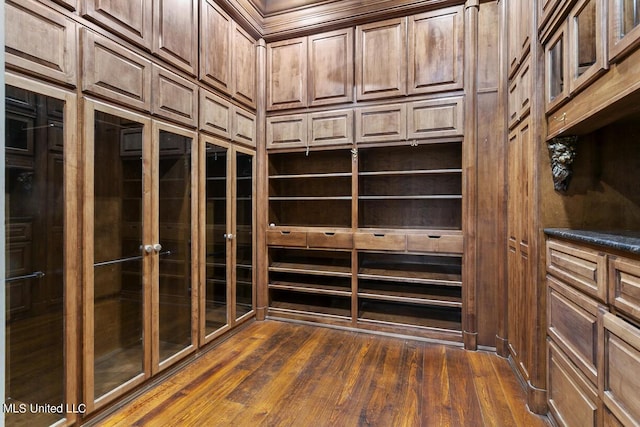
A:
[227,55]
[436,45]
[310,71]
[331,67]
[132,20]
[287,74]
[175,32]
[624,27]
[381,59]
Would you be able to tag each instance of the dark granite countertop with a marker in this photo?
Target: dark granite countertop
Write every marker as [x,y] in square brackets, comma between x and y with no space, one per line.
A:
[622,240]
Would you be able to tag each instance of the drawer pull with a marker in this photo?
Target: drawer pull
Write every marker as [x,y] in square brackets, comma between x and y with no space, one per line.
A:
[434,237]
[378,234]
[328,233]
[285,233]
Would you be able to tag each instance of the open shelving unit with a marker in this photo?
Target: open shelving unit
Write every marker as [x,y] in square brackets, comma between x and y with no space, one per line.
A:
[310,189]
[308,281]
[417,187]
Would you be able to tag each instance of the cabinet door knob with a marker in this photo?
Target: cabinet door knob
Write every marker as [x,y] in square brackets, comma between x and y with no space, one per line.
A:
[148,248]
[157,247]
[228,236]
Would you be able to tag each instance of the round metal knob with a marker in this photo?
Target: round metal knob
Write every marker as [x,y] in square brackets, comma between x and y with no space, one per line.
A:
[228,236]
[148,248]
[157,247]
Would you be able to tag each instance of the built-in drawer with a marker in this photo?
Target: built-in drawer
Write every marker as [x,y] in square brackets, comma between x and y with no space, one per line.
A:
[330,239]
[287,238]
[573,400]
[624,286]
[435,118]
[581,267]
[572,322]
[435,242]
[380,241]
[621,383]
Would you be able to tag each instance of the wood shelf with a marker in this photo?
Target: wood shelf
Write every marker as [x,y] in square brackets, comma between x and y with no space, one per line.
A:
[410,172]
[419,299]
[312,269]
[416,197]
[411,277]
[444,318]
[313,175]
[310,288]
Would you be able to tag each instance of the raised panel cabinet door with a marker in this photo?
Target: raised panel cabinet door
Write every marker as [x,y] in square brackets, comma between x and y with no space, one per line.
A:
[382,123]
[287,74]
[244,57]
[175,32]
[435,118]
[215,46]
[513,34]
[215,114]
[331,128]
[111,71]
[331,67]
[130,19]
[244,127]
[545,8]
[287,131]
[40,41]
[436,45]
[381,59]
[174,97]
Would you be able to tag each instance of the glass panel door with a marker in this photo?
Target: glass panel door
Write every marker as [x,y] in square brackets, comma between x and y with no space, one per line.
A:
[36,271]
[117,261]
[244,245]
[173,247]
[216,292]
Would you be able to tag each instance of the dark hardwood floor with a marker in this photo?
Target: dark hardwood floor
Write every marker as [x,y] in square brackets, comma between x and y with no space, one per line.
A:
[283,374]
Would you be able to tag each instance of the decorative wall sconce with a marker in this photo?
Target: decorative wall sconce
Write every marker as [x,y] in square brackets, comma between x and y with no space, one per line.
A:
[562,152]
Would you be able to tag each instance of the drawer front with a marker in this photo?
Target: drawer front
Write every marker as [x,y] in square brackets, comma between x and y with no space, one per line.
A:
[580,267]
[436,118]
[573,325]
[621,385]
[624,286]
[573,401]
[286,238]
[244,127]
[337,240]
[380,241]
[435,243]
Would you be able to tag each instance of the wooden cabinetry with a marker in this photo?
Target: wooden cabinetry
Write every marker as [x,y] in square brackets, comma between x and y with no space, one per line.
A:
[435,51]
[331,128]
[331,67]
[519,20]
[557,68]
[174,97]
[111,71]
[175,33]
[418,120]
[287,74]
[310,71]
[624,27]
[594,346]
[27,25]
[132,20]
[381,76]
[227,55]
[226,120]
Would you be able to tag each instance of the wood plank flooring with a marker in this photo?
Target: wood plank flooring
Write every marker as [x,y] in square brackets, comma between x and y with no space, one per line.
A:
[284,374]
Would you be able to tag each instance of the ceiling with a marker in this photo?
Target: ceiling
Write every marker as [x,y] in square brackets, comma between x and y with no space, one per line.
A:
[270,7]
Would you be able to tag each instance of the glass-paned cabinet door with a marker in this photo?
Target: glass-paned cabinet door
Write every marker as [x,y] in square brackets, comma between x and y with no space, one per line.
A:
[42,255]
[587,51]
[173,294]
[216,194]
[556,66]
[624,27]
[243,240]
[117,268]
